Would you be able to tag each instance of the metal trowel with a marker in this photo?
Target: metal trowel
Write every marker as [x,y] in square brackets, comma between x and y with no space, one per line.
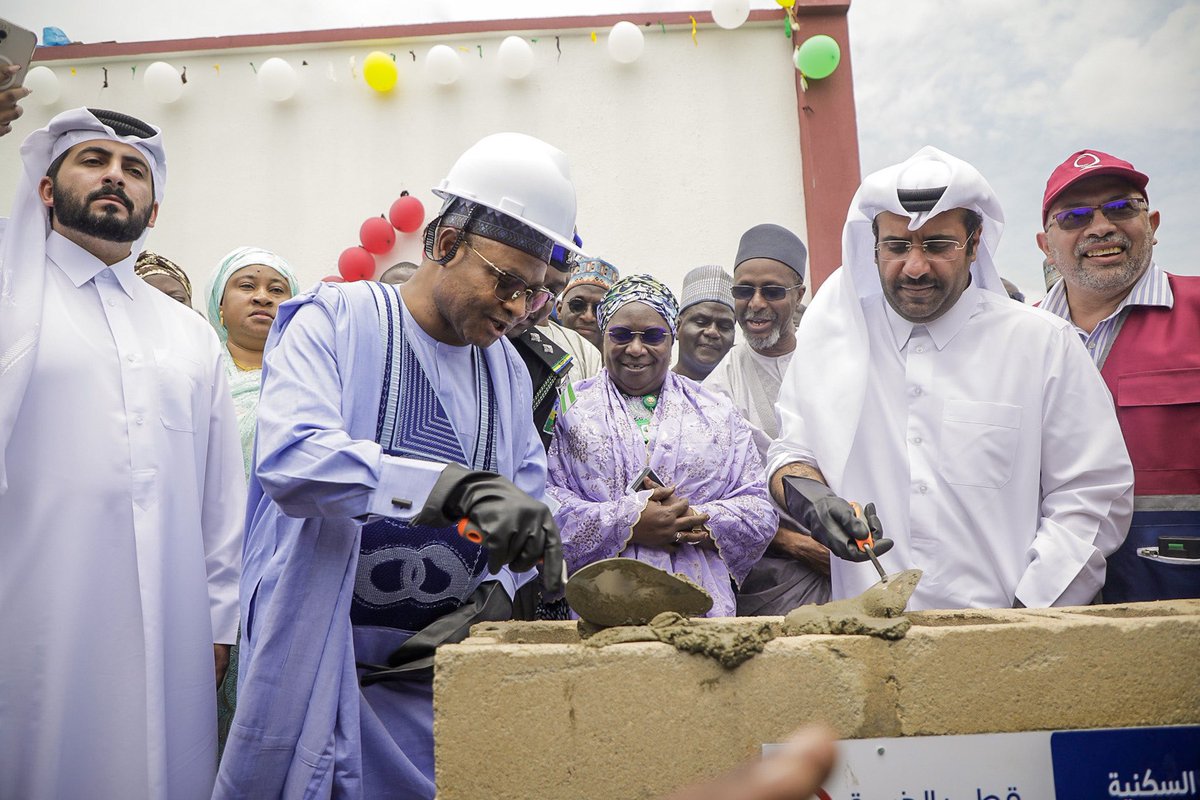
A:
[625,591]
[868,545]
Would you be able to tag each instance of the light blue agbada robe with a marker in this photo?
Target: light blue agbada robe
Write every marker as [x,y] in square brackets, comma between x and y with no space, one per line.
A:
[303,727]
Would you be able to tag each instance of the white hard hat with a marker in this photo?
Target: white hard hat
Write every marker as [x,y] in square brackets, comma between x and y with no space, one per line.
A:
[521,177]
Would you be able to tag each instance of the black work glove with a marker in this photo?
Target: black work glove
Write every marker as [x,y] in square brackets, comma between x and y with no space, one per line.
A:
[831,520]
[517,530]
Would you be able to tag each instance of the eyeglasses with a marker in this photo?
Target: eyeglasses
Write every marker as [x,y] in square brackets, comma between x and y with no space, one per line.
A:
[934,249]
[619,334]
[1072,219]
[772,293]
[578,305]
[509,287]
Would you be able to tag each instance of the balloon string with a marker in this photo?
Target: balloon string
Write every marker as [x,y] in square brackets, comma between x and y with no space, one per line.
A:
[183,77]
[253,67]
[105,86]
[558,47]
[414,56]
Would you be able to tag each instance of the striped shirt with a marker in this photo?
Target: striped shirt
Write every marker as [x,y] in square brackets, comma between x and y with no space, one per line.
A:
[1152,289]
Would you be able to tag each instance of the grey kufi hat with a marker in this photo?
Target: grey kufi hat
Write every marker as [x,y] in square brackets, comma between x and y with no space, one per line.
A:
[710,283]
[774,242]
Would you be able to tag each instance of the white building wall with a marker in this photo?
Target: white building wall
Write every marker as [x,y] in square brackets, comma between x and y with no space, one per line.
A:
[673,156]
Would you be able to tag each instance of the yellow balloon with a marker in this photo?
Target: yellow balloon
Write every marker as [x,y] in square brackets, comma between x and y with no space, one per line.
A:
[379,71]
[786,3]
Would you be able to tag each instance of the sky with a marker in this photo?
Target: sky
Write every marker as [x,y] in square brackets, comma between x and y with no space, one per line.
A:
[1012,86]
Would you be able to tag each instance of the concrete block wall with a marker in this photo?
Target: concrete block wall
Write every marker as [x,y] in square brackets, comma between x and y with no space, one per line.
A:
[525,710]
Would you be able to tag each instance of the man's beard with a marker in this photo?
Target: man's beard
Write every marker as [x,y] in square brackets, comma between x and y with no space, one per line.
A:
[764,341]
[72,213]
[1105,279]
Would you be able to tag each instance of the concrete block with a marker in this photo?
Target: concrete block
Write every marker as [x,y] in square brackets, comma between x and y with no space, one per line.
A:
[525,710]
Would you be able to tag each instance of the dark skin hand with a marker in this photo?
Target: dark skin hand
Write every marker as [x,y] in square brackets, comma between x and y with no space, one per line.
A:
[793,544]
[664,516]
[221,657]
[9,98]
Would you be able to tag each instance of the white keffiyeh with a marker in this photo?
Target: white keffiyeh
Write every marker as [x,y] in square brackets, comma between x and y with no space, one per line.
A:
[826,387]
[23,251]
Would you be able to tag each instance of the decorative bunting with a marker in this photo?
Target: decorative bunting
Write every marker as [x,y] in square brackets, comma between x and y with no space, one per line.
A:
[183,77]
[694,42]
[253,67]
[105,86]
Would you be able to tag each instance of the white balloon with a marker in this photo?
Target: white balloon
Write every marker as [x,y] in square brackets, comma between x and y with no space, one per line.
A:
[442,65]
[163,83]
[43,86]
[515,57]
[730,14]
[625,42]
[277,79]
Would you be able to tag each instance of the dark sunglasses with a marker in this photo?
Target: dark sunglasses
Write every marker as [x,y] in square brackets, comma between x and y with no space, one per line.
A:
[578,305]
[619,334]
[1072,219]
[744,291]
[509,287]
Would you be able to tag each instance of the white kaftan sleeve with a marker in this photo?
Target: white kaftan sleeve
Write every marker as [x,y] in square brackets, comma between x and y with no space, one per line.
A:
[1087,484]
[223,509]
[307,462]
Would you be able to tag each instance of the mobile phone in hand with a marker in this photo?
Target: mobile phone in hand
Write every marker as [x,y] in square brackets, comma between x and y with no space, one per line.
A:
[636,485]
[16,47]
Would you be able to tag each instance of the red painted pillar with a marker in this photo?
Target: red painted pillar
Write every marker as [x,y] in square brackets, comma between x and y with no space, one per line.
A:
[828,139]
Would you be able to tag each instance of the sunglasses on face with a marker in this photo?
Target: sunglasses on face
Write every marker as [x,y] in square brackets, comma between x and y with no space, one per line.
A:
[509,287]
[1072,219]
[772,293]
[934,249]
[619,334]
[578,305]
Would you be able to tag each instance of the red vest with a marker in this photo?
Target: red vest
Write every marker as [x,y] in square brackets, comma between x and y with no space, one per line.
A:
[1153,372]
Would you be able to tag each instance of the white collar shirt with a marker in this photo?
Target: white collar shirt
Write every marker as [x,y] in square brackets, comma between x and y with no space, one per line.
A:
[989,445]
[122,536]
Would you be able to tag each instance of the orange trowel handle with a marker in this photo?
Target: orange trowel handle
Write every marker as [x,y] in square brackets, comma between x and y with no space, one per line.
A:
[469,531]
[863,544]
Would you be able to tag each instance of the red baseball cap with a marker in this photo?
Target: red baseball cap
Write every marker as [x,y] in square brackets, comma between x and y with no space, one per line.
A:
[1086,164]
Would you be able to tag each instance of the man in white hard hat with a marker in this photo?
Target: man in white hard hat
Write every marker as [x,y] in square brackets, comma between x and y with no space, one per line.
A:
[121,484]
[976,426]
[396,466]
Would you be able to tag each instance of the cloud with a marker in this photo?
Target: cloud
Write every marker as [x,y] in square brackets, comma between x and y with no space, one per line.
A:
[1013,87]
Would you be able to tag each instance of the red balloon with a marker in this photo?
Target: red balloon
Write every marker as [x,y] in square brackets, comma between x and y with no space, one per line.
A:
[377,235]
[333,279]
[356,264]
[407,214]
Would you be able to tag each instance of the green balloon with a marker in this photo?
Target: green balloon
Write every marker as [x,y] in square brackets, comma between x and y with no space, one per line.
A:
[818,56]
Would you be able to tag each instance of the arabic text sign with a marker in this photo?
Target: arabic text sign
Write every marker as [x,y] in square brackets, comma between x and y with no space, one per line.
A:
[1110,764]
[1127,763]
[989,766]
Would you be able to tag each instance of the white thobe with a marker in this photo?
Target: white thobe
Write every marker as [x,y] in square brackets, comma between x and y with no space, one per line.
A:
[121,542]
[751,393]
[989,444]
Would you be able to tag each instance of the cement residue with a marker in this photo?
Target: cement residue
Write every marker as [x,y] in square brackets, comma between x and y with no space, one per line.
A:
[875,612]
[730,643]
[625,591]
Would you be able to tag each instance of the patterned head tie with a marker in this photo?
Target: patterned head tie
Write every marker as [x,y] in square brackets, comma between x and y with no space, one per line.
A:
[638,289]
[482,221]
[149,263]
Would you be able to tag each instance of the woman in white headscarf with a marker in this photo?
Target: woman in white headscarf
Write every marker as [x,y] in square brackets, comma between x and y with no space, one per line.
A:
[243,298]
